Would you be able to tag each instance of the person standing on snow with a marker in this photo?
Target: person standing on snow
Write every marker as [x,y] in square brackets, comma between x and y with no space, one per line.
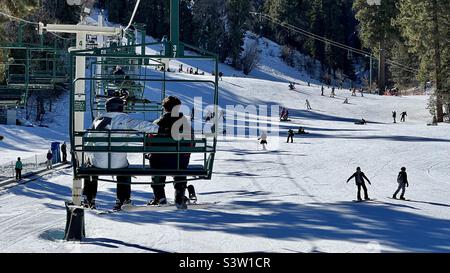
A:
[171,117]
[394,116]
[18,169]
[290,136]
[49,160]
[359,179]
[113,119]
[308,105]
[402,180]
[64,152]
[263,140]
[403,116]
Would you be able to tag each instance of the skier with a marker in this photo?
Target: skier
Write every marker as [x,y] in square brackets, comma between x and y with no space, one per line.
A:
[113,119]
[359,179]
[403,116]
[64,152]
[18,168]
[322,91]
[171,106]
[308,105]
[394,116]
[263,140]
[290,136]
[49,160]
[402,180]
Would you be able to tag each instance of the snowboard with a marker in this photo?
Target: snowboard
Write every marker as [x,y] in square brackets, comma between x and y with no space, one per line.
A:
[362,201]
[398,199]
[169,207]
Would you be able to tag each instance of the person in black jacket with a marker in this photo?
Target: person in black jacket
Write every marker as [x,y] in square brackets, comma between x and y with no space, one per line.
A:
[64,152]
[291,135]
[169,161]
[359,179]
[402,180]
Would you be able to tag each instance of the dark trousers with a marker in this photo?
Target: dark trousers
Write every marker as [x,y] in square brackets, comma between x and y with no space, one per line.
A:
[123,190]
[158,187]
[363,185]
[168,162]
[64,154]
[401,187]
[18,174]
[291,138]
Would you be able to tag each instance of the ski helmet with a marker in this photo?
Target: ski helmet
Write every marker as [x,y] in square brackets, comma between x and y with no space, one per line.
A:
[114,105]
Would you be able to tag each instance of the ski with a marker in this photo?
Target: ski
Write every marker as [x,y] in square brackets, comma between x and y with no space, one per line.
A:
[96,211]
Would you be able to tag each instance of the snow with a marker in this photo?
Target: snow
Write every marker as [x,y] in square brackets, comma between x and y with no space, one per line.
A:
[292,198]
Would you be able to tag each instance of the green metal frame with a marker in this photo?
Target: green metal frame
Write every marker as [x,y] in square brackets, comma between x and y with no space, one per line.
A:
[138,143]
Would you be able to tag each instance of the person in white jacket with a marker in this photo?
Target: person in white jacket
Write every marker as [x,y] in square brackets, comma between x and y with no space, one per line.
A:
[113,119]
[263,140]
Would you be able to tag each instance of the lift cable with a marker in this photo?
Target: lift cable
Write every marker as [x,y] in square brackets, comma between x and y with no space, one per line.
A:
[331,42]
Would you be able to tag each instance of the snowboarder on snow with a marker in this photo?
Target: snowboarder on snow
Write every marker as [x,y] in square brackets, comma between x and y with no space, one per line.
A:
[394,116]
[290,136]
[402,180]
[322,91]
[346,101]
[113,119]
[403,116]
[333,92]
[172,115]
[359,179]
[18,168]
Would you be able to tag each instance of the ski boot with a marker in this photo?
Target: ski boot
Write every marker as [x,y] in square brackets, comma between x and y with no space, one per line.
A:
[180,199]
[192,195]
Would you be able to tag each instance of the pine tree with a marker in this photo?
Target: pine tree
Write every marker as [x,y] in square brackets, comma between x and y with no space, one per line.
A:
[376,30]
[237,17]
[425,26]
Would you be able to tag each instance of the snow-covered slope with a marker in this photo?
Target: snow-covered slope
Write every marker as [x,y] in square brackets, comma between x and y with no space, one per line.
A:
[292,198]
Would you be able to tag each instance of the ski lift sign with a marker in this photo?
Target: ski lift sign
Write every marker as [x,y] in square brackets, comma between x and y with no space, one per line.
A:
[79,106]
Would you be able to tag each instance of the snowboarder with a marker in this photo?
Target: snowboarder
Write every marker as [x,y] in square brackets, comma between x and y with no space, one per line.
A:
[220,75]
[301,131]
[394,116]
[403,116]
[359,179]
[113,119]
[171,106]
[333,92]
[18,168]
[308,105]
[354,92]
[290,136]
[64,152]
[322,91]
[402,180]
[263,140]
[346,101]
[49,160]
[291,86]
